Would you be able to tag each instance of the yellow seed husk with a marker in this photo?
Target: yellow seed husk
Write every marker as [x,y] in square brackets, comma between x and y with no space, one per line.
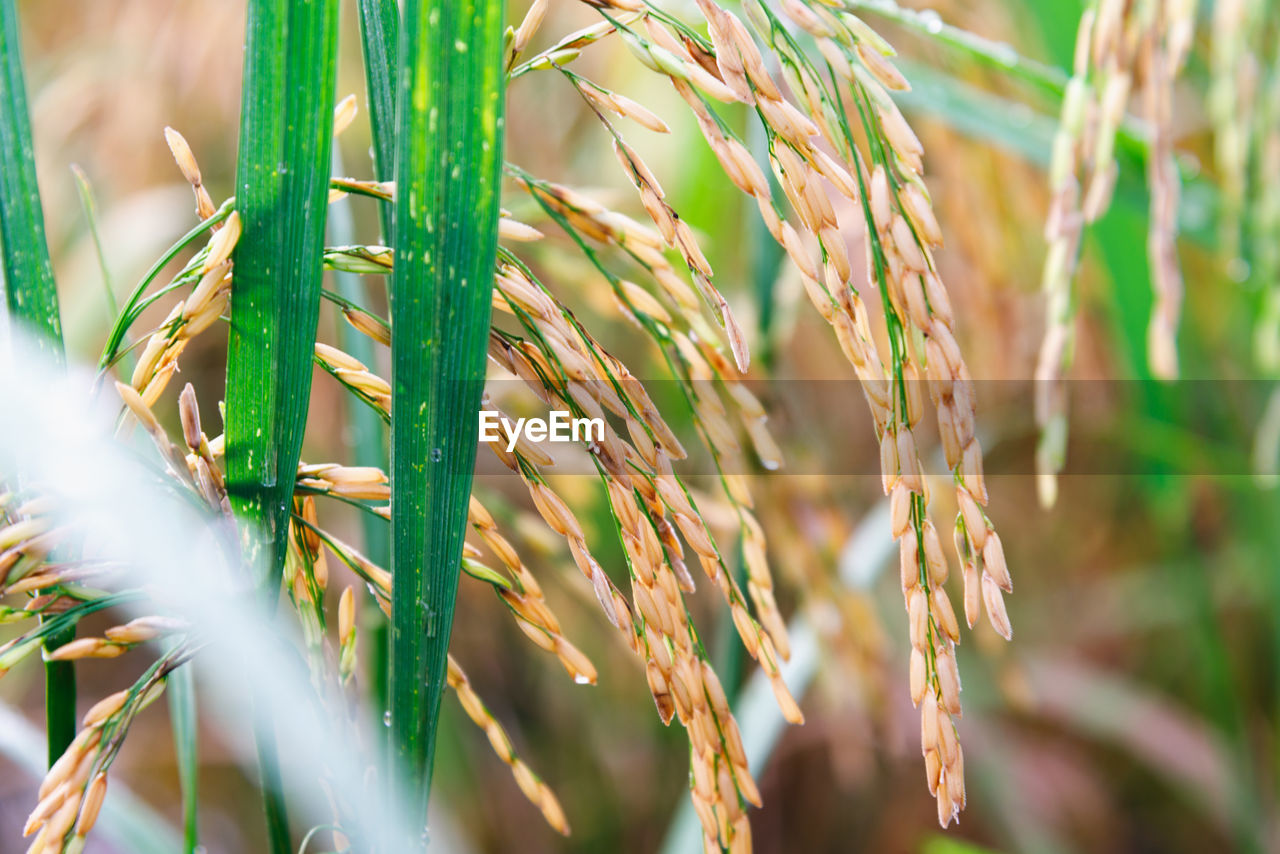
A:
[223,242]
[994,563]
[996,613]
[183,157]
[92,804]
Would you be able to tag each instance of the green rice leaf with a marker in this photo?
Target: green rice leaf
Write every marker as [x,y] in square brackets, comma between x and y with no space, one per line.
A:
[448,168]
[380,37]
[282,180]
[282,183]
[30,294]
[32,301]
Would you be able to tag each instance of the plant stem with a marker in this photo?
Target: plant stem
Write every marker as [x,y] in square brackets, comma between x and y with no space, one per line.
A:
[448,169]
[182,712]
[90,208]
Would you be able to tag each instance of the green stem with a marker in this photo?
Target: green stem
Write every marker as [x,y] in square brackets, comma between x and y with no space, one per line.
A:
[448,171]
[90,208]
[59,697]
[182,712]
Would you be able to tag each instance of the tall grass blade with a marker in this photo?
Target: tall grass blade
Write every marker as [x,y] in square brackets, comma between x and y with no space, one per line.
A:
[28,274]
[32,301]
[448,167]
[282,180]
[282,184]
[380,38]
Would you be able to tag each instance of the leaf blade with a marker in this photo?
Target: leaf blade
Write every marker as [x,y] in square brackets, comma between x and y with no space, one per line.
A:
[28,273]
[282,179]
[32,300]
[448,168]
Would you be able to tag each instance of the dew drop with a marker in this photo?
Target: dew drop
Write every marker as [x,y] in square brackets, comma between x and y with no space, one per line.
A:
[932,21]
[436,455]
[386,718]
[581,679]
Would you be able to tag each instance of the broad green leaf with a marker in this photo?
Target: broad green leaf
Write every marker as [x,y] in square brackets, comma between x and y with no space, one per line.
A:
[448,168]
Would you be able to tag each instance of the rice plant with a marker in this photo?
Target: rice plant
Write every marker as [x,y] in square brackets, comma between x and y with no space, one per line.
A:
[493,235]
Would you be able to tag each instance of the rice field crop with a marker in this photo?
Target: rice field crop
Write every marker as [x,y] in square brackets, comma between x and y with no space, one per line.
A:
[490,426]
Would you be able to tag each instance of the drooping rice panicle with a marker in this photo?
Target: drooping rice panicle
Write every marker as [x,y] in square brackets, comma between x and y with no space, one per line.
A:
[590,371]
[538,792]
[1117,44]
[1249,151]
[72,792]
[118,640]
[526,600]
[207,302]
[698,366]
[902,230]
[521,594]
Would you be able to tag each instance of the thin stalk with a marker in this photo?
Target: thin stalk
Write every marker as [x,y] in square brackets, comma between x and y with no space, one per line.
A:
[367,435]
[282,179]
[448,171]
[90,208]
[32,301]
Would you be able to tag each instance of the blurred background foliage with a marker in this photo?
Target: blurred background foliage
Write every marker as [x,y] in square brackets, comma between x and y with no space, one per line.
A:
[1137,709]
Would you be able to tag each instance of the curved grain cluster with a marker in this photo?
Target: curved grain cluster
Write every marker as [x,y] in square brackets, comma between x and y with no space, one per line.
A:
[812,147]
[530,784]
[1119,46]
[72,792]
[1244,105]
